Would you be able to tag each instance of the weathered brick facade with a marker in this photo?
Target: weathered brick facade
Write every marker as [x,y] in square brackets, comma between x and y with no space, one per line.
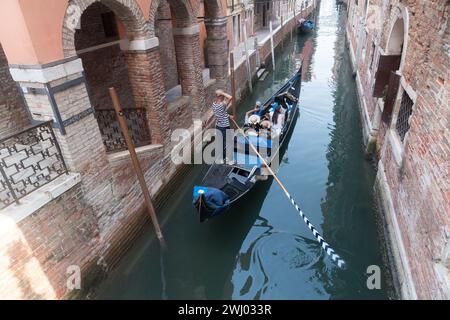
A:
[163,30]
[413,177]
[103,67]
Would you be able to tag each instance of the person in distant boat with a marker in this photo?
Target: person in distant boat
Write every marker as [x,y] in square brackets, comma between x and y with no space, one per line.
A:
[278,120]
[285,100]
[219,107]
[255,111]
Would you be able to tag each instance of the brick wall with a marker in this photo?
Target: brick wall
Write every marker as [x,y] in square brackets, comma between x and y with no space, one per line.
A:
[104,68]
[163,30]
[416,170]
[13,116]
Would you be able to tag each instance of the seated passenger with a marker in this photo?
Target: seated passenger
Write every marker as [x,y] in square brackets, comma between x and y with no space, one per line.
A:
[285,100]
[254,121]
[275,105]
[265,124]
[254,111]
[278,120]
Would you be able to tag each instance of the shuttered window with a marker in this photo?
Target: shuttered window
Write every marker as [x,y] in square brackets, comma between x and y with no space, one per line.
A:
[386,64]
[392,89]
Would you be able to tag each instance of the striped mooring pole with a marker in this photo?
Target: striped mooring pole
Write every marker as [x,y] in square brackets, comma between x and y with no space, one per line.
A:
[328,249]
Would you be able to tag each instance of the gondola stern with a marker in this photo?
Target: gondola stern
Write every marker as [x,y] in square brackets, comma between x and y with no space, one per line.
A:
[209,202]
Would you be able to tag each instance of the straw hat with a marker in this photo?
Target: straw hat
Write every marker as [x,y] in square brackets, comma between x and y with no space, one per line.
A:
[265,124]
[254,119]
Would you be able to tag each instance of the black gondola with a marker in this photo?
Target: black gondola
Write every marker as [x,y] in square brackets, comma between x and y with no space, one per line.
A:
[305,26]
[224,184]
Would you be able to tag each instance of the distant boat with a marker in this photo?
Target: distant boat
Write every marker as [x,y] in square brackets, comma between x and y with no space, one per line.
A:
[306,26]
[223,185]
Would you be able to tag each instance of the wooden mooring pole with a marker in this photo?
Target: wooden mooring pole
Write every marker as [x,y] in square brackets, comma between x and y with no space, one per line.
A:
[233,85]
[271,45]
[247,58]
[136,165]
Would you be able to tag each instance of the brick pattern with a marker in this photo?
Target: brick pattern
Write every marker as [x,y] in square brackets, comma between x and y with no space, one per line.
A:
[189,70]
[180,114]
[13,116]
[127,11]
[146,78]
[40,248]
[419,186]
[104,68]
[217,50]
[163,30]
[107,68]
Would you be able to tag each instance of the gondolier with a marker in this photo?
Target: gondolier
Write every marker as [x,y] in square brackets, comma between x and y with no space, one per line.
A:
[219,107]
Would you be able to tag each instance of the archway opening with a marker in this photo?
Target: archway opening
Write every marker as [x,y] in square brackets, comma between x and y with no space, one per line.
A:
[97,44]
[396,40]
[388,74]
[170,16]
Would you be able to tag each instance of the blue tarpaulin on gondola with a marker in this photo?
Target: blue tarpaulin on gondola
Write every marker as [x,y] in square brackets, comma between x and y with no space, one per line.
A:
[308,25]
[214,199]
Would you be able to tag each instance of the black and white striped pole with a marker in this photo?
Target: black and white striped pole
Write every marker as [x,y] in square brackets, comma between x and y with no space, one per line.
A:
[330,251]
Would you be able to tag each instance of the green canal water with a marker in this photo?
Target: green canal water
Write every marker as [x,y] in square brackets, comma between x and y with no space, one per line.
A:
[262,248]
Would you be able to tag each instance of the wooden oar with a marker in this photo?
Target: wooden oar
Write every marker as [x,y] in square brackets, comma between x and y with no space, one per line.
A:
[334,256]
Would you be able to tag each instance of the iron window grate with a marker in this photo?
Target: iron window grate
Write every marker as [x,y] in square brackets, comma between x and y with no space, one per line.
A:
[404,114]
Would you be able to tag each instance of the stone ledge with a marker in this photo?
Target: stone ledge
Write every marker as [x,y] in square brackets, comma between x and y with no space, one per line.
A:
[40,197]
[399,259]
[139,44]
[397,147]
[209,83]
[176,103]
[124,155]
[48,74]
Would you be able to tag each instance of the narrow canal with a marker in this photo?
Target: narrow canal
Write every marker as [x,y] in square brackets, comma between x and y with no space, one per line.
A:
[262,249]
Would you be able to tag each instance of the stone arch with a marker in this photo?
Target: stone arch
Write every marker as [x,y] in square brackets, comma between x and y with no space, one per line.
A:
[397,40]
[185,31]
[182,10]
[213,9]
[128,13]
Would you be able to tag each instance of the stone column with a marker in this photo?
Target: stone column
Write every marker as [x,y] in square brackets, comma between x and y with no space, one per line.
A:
[189,67]
[57,91]
[147,83]
[216,30]
[163,31]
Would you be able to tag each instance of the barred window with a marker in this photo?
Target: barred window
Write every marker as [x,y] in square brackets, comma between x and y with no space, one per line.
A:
[404,114]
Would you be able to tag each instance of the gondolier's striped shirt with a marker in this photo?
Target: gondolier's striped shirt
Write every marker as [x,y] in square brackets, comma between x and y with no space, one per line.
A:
[220,112]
